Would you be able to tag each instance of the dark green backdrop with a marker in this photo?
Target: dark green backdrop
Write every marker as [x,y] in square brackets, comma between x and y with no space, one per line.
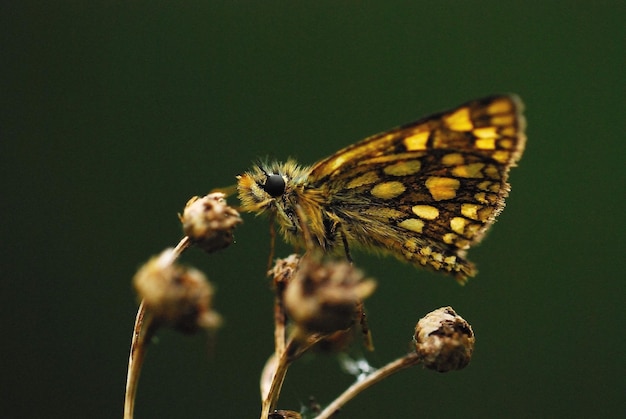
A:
[113,114]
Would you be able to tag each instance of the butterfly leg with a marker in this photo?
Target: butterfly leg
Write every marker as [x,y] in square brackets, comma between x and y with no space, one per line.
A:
[346,248]
[270,260]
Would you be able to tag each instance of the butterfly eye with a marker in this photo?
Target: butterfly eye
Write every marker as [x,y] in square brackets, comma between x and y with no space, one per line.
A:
[274,185]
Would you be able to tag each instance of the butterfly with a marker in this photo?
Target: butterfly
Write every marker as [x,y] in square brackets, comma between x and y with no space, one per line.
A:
[424,192]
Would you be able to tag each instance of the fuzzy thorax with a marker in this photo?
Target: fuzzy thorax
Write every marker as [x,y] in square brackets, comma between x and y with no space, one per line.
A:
[294,208]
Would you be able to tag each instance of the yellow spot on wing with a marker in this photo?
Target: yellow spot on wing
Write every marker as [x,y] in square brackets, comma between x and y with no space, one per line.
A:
[453,159]
[508,131]
[403,168]
[470,210]
[392,158]
[502,105]
[486,143]
[501,156]
[469,170]
[459,120]
[442,187]
[492,171]
[450,260]
[417,142]
[503,120]
[458,224]
[506,143]
[486,132]
[449,238]
[484,185]
[481,197]
[412,224]
[388,190]
[427,212]
[364,179]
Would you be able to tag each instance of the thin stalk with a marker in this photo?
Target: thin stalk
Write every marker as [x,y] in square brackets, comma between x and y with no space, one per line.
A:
[142,332]
[184,243]
[295,348]
[279,326]
[380,374]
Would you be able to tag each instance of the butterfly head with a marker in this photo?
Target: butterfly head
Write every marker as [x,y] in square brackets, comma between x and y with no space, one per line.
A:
[269,187]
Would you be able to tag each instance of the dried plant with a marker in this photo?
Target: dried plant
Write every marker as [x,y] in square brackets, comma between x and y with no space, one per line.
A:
[318,303]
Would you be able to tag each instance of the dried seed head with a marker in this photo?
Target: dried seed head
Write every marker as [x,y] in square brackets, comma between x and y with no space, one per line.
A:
[177,296]
[209,222]
[283,271]
[324,298]
[444,340]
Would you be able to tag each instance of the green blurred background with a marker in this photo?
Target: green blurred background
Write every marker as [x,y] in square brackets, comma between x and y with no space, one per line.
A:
[114,113]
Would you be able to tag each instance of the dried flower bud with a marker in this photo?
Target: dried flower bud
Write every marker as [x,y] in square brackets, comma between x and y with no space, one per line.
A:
[209,222]
[176,296]
[444,340]
[283,271]
[324,298]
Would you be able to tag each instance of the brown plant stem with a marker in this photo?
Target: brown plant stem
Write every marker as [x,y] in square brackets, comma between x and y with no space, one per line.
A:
[142,333]
[182,245]
[380,374]
[280,318]
[294,349]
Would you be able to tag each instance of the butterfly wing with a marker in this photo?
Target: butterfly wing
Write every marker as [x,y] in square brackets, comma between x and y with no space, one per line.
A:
[427,190]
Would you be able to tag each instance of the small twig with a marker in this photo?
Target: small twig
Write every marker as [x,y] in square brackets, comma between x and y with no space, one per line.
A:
[380,374]
[278,378]
[183,245]
[142,332]
[295,348]
[279,326]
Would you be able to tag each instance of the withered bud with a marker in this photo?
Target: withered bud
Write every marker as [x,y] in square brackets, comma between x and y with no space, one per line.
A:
[176,296]
[444,340]
[209,222]
[284,270]
[326,297]
[284,414]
